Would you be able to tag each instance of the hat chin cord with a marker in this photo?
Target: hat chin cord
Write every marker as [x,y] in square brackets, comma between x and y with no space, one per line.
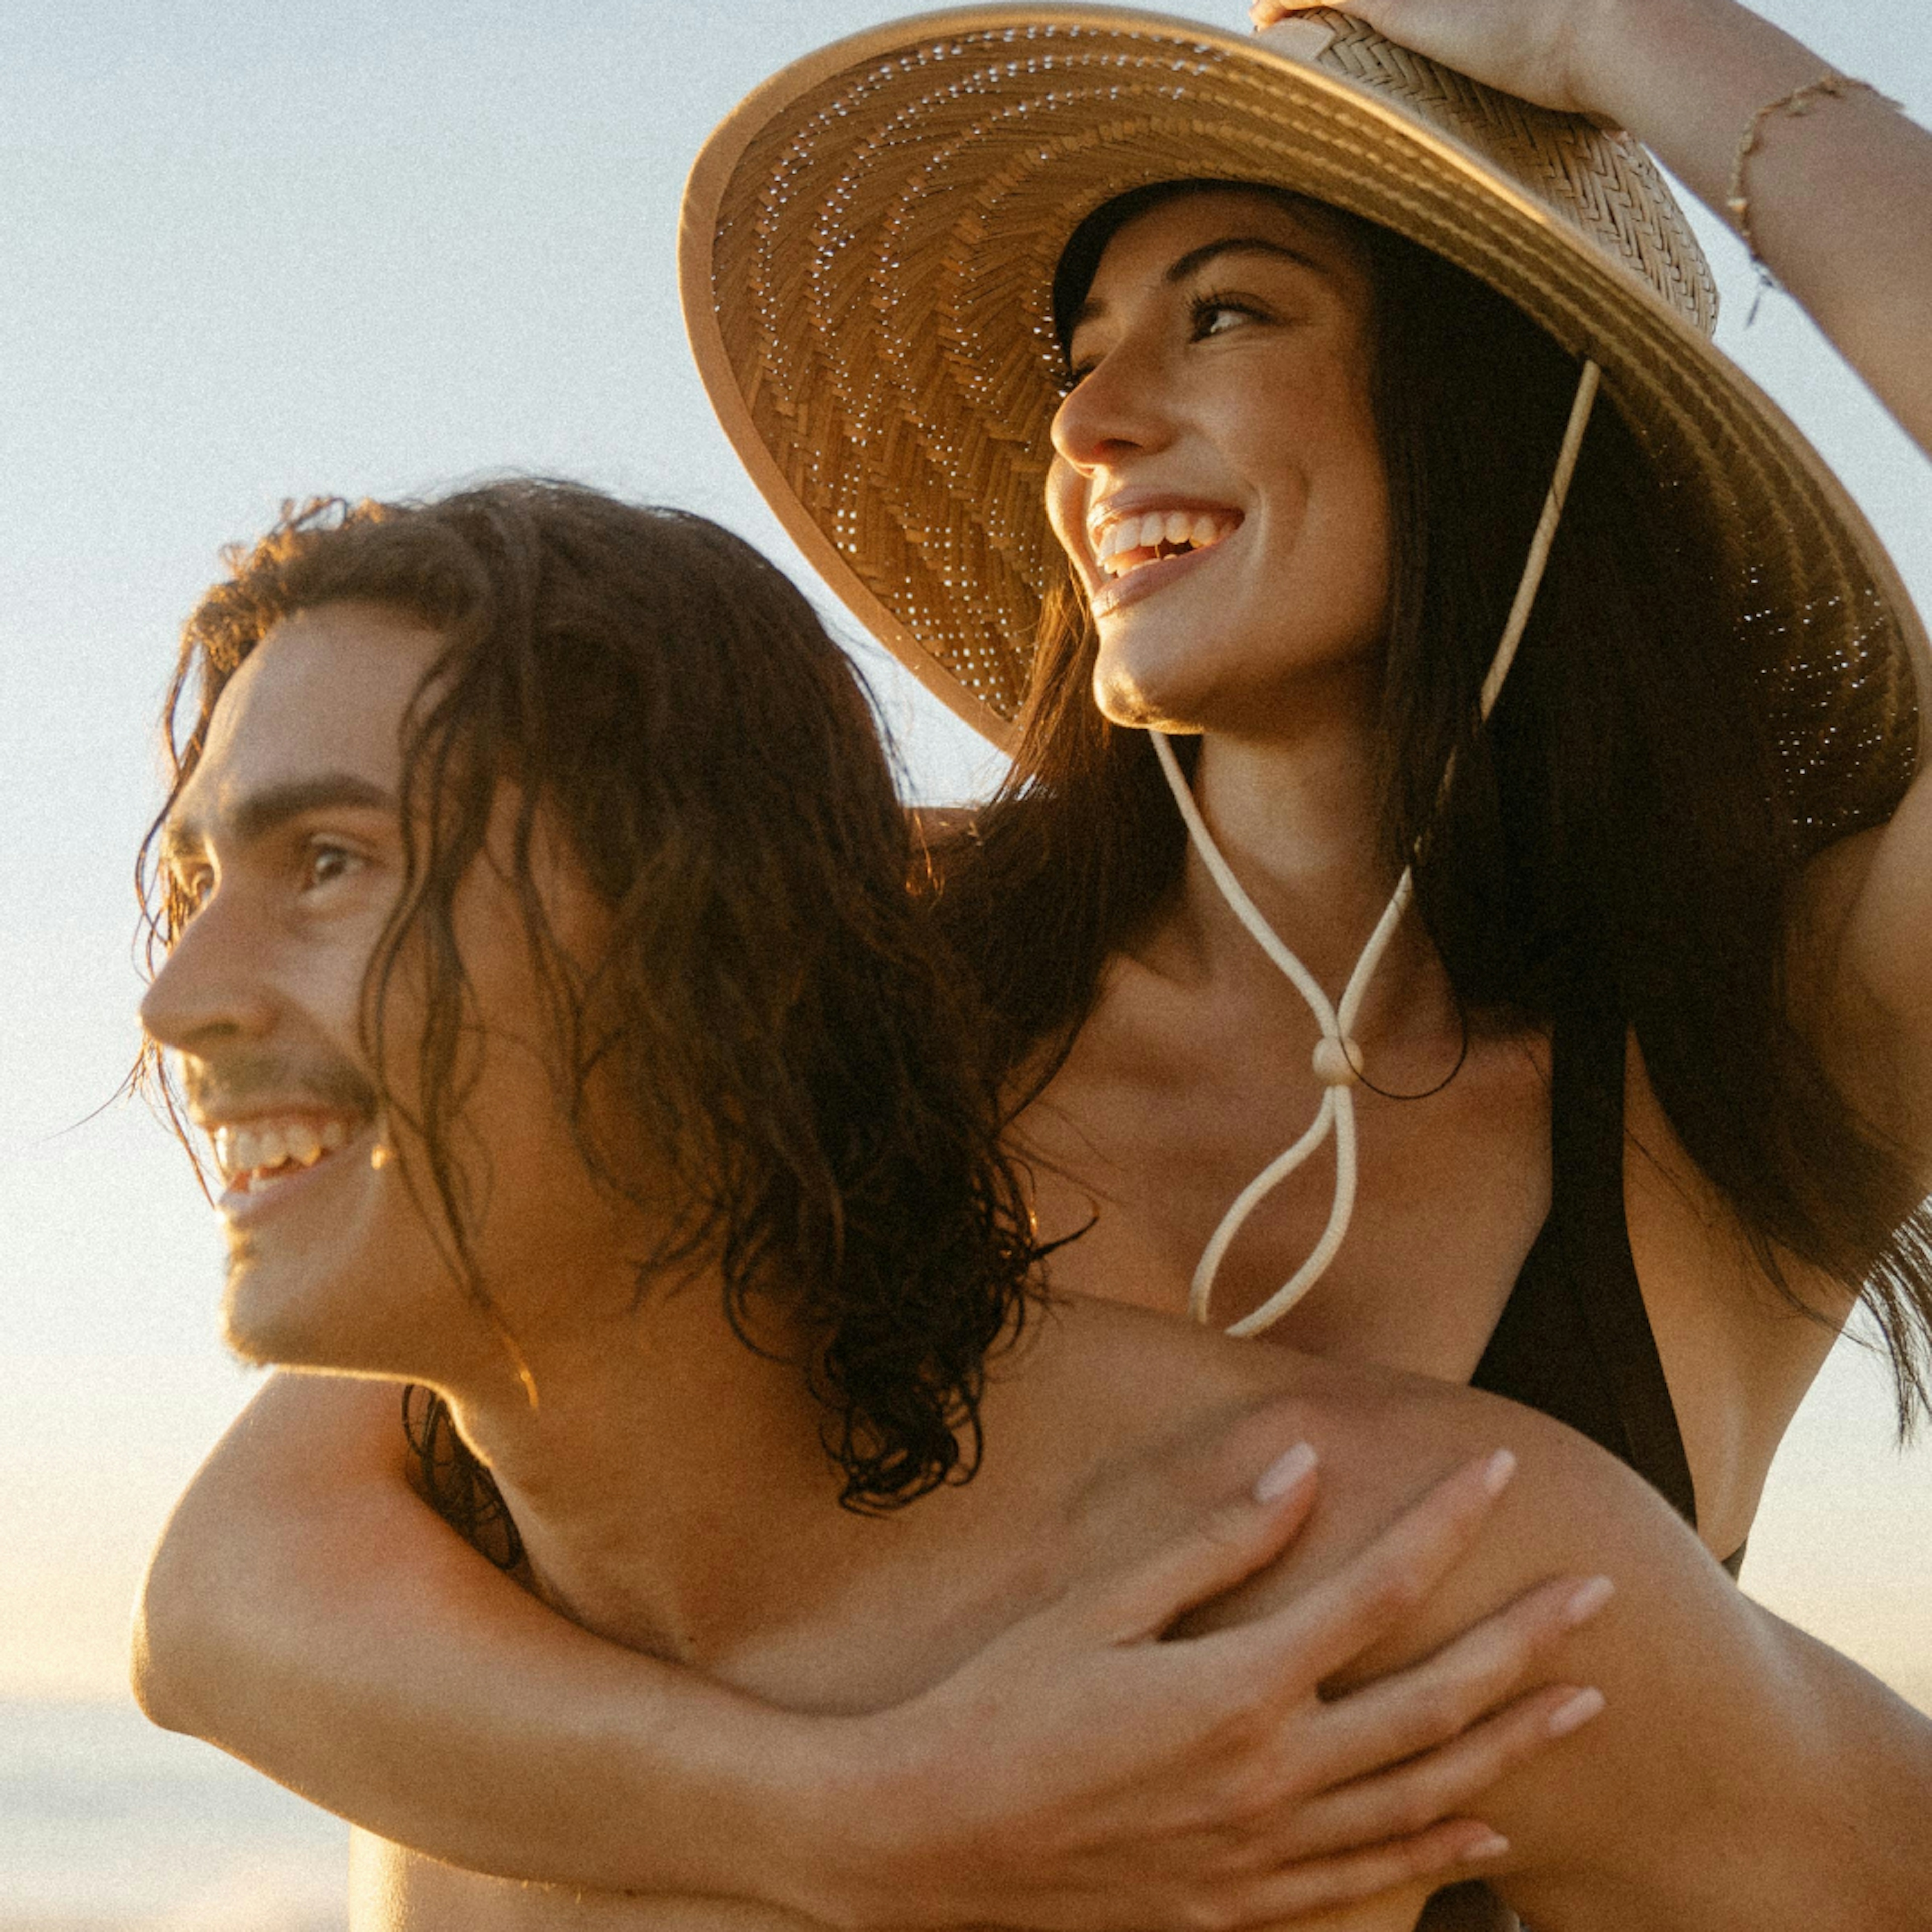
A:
[1337,1058]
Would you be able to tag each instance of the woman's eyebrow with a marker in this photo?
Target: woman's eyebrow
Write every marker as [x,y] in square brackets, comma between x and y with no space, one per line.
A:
[1196,259]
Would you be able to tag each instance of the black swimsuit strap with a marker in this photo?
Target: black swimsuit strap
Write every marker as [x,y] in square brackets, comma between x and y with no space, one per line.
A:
[1574,1339]
[1619,1322]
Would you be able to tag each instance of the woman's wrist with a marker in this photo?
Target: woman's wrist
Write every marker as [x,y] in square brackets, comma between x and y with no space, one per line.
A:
[1686,76]
[748,1801]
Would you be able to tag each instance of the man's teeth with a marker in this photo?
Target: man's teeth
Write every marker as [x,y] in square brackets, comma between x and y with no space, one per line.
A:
[250,1153]
[1120,544]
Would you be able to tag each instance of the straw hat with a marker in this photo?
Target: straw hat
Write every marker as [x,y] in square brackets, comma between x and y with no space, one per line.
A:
[867,261]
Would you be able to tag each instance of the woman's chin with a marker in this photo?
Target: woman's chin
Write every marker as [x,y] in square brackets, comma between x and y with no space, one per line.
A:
[1182,707]
[1151,691]
[1150,684]
[1134,712]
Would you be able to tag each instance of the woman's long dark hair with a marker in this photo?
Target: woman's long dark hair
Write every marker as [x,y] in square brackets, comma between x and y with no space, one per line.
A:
[772,1010]
[1621,831]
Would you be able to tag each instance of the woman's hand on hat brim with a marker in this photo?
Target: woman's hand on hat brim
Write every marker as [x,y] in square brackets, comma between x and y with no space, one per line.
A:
[1538,50]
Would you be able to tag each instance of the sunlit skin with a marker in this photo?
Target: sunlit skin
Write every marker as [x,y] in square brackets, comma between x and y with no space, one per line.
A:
[671,1484]
[1222,364]
[289,837]
[1222,360]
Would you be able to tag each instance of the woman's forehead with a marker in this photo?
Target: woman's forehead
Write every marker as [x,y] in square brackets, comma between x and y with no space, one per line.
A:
[1146,233]
[1182,220]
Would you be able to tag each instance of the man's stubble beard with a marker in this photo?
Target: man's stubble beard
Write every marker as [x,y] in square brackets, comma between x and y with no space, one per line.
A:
[242,1325]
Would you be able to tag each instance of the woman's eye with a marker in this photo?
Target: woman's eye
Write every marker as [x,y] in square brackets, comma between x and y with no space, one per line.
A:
[1215,315]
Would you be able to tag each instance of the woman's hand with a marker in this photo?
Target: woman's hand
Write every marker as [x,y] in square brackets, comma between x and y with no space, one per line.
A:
[1082,1775]
[1539,49]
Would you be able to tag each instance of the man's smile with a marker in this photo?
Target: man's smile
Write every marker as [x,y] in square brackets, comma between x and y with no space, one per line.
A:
[266,1147]
[270,1148]
[272,1163]
[272,1118]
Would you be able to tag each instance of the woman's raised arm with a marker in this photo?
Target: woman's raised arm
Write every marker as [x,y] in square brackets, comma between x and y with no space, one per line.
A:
[1837,203]
[1839,193]
[305,1611]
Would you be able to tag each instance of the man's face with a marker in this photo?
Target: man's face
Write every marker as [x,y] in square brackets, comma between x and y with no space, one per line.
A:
[288,839]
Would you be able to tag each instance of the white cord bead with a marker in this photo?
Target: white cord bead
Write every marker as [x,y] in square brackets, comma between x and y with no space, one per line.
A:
[1334,1062]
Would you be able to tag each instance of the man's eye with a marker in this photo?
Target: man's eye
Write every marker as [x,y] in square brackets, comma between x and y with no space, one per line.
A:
[328,863]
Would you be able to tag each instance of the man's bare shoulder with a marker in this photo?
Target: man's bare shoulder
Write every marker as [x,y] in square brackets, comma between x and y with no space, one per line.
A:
[1186,1412]
[1161,1418]
[1690,1671]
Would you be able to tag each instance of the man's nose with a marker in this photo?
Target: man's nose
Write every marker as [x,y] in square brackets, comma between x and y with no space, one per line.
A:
[213,987]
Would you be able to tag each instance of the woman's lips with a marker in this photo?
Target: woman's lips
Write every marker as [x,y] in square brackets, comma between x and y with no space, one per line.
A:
[1115,535]
[1145,579]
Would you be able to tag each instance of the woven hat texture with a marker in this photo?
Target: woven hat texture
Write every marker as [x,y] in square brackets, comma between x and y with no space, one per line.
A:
[867,260]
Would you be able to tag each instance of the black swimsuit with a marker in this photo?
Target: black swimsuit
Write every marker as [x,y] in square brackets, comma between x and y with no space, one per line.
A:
[1574,1339]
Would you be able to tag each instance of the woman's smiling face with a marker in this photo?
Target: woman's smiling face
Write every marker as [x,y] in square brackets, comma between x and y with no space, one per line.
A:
[1217,478]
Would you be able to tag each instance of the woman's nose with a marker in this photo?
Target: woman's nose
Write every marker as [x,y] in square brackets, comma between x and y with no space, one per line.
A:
[1120,406]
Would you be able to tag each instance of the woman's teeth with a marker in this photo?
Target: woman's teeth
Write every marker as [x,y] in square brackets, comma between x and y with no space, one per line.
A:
[252,1157]
[1128,542]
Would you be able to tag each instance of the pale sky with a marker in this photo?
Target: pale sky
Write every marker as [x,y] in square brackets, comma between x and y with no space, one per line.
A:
[377,247]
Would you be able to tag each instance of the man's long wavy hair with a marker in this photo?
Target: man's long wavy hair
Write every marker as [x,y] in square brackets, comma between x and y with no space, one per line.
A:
[773,1008]
[1623,831]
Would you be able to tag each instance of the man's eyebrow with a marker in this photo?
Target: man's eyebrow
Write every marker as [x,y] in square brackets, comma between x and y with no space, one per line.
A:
[259,813]
[1197,258]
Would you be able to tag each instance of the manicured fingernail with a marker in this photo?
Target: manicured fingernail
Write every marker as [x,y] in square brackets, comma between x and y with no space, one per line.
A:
[1497,1471]
[1573,1713]
[1493,1846]
[1589,1599]
[1288,1469]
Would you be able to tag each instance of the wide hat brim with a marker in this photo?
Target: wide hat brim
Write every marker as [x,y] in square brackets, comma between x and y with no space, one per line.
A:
[867,257]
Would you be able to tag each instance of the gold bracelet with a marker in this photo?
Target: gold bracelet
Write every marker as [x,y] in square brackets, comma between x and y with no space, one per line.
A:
[1830,85]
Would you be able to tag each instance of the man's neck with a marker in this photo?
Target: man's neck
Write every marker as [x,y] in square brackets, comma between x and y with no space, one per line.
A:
[674,1495]
[666,1468]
